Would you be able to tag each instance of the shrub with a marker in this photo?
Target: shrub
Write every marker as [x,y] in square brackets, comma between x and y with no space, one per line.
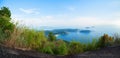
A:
[60,48]
[12,40]
[33,39]
[47,48]
[92,45]
[51,36]
[75,47]
[2,36]
[26,38]
[105,40]
[116,39]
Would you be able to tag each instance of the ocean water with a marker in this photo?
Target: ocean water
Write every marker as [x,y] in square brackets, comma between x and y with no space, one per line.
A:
[95,33]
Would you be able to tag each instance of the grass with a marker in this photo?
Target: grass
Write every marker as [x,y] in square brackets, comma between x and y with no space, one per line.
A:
[30,39]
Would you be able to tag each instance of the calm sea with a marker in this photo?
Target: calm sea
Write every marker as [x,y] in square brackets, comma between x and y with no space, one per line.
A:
[95,33]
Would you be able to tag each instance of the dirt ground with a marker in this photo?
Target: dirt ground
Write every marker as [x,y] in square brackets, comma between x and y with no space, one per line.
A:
[109,52]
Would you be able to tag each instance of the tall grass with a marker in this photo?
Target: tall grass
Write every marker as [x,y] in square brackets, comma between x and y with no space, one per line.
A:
[60,48]
[75,47]
[24,38]
[30,39]
[92,45]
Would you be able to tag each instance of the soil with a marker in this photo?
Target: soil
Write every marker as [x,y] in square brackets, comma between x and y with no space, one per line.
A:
[108,52]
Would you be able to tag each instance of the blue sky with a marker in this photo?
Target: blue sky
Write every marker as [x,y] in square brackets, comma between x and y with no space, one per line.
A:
[64,13]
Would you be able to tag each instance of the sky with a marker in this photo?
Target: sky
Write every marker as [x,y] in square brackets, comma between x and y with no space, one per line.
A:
[64,13]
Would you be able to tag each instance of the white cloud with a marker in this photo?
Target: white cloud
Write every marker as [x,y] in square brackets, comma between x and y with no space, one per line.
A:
[116,22]
[73,22]
[49,17]
[29,11]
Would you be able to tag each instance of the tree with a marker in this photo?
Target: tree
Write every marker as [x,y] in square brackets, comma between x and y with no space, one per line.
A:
[5,12]
[5,18]
[51,36]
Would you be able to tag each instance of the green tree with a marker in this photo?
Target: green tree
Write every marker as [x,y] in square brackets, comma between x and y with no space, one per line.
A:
[5,18]
[51,36]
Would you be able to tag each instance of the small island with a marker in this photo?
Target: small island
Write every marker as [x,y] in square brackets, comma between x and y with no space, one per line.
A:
[85,31]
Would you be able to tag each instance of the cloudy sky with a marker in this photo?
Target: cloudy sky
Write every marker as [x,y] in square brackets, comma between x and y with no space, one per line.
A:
[64,13]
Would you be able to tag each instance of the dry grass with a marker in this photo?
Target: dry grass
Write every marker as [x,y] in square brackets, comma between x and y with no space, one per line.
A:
[11,41]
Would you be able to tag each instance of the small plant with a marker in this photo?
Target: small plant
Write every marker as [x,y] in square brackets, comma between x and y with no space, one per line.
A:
[116,39]
[75,47]
[60,48]
[47,48]
[92,45]
[51,36]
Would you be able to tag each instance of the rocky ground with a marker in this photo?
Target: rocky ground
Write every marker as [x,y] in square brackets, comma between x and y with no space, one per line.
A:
[109,52]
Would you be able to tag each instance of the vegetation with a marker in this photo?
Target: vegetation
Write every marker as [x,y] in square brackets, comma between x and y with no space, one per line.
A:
[92,46]
[5,17]
[75,47]
[116,40]
[30,39]
[60,48]
[51,36]
[105,40]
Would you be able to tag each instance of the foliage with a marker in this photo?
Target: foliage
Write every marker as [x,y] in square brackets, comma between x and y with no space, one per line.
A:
[116,39]
[26,38]
[75,47]
[5,18]
[2,36]
[47,48]
[5,12]
[33,39]
[91,46]
[51,36]
[105,40]
[60,48]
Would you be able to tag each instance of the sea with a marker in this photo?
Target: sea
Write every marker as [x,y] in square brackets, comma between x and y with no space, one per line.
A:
[86,37]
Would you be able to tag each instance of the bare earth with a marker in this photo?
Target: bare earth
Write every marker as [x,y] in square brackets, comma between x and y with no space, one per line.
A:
[109,52]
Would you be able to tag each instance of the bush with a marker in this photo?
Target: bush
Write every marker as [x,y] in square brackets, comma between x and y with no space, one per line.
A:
[92,45]
[26,38]
[2,36]
[105,40]
[47,48]
[116,39]
[51,36]
[75,47]
[60,48]
[33,39]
